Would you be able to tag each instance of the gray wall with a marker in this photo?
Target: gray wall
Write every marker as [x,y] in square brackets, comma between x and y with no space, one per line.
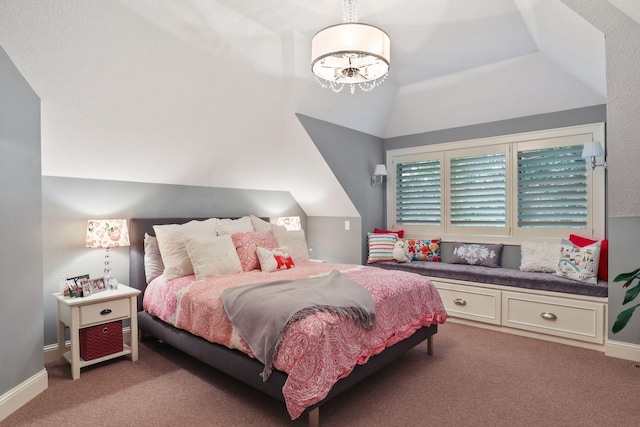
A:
[21,339]
[67,204]
[352,156]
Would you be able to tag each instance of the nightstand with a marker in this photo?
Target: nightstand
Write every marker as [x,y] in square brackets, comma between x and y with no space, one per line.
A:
[100,308]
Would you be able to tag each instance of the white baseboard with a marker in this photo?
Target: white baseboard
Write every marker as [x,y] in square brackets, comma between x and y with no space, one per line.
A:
[15,398]
[622,350]
[51,350]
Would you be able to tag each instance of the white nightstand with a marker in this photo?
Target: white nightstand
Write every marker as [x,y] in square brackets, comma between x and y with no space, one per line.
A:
[98,309]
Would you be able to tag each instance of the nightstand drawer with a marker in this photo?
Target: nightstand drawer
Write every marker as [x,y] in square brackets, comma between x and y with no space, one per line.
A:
[104,312]
[580,320]
[465,302]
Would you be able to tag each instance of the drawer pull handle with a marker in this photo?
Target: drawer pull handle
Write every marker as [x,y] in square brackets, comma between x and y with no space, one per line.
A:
[548,316]
[105,330]
[105,312]
[459,301]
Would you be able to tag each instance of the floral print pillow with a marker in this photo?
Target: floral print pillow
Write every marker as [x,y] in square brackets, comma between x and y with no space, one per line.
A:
[473,254]
[424,250]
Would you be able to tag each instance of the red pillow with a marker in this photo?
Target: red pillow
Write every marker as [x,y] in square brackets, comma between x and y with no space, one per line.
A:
[603,265]
[399,233]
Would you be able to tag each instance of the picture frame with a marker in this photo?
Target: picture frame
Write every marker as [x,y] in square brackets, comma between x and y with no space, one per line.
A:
[97,285]
[76,285]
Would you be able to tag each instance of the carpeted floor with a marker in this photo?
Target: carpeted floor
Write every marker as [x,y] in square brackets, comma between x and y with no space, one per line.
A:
[475,378]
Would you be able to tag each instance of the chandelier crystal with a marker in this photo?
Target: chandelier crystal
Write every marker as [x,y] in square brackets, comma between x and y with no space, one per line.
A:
[350,53]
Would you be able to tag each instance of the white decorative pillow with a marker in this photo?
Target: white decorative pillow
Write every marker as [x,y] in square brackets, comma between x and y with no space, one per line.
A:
[171,241]
[230,226]
[260,225]
[540,257]
[153,266]
[213,256]
[295,242]
[274,259]
[401,251]
[579,263]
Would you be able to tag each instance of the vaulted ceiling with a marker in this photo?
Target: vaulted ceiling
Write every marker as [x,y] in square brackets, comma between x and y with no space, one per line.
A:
[204,92]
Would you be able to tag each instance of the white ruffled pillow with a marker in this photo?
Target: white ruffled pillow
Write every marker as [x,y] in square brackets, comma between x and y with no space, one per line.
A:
[231,226]
[213,256]
[539,257]
[294,241]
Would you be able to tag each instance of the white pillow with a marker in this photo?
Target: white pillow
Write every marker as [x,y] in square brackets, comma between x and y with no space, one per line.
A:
[153,266]
[579,263]
[295,242]
[231,226]
[171,242]
[539,256]
[213,256]
[260,225]
[274,259]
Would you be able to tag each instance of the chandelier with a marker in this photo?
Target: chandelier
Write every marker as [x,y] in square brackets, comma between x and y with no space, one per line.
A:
[350,53]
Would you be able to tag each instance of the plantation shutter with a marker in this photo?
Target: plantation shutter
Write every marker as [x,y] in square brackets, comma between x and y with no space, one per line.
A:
[552,188]
[418,193]
[478,190]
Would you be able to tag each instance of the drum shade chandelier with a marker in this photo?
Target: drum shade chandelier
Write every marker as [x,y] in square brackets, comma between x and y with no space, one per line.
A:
[350,53]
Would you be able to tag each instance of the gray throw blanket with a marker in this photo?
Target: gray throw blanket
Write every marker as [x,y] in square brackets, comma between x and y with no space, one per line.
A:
[263,312]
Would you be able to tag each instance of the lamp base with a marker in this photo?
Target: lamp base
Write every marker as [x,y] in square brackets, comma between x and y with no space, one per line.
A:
[110,282]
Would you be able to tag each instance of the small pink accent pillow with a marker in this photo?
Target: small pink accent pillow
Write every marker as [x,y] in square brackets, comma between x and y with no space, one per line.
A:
[274,259]
[246,244]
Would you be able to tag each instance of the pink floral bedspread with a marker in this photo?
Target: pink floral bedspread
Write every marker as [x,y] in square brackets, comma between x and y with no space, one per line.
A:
[320,349]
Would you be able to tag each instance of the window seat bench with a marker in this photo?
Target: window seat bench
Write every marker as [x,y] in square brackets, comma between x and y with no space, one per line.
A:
[539,305]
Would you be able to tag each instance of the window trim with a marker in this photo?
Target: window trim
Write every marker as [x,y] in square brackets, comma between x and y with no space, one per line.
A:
[596,184]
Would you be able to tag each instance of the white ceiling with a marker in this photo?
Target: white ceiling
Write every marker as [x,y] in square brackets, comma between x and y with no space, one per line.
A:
[204,92]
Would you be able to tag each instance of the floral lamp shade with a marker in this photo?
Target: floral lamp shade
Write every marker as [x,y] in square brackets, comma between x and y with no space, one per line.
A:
[291,223]
[107,233]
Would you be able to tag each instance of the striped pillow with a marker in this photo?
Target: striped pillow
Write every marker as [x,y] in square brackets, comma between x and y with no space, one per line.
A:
[381,247]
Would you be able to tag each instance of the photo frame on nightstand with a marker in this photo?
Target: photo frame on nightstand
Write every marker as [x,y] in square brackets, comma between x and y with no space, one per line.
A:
[76,285]
[97,285]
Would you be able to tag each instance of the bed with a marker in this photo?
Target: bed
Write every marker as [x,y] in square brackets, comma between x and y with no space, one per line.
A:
[248,369]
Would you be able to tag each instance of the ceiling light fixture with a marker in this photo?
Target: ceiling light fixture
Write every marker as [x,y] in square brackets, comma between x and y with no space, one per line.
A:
[350,53]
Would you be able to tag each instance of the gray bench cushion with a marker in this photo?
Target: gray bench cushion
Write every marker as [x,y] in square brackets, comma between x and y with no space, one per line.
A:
[499,276]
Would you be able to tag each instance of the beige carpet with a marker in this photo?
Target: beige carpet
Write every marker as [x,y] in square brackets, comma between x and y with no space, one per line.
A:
[475,378]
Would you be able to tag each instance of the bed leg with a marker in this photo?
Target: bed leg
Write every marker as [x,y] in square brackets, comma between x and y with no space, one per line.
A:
[314,418]
[430,346]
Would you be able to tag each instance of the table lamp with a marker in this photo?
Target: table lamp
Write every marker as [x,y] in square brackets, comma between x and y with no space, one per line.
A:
[107,233]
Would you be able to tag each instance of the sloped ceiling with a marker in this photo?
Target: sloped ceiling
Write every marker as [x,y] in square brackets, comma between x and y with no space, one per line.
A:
[204,92]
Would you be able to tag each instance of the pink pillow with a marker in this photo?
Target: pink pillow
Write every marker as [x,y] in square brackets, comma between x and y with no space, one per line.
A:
[246,244]
[399,233]
[603,264]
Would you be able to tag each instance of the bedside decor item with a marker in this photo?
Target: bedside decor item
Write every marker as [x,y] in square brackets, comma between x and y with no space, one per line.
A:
[350,53]
[625,315]
[107,233]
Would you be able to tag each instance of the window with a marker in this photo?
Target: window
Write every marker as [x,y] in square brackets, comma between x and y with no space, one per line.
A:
[508,188]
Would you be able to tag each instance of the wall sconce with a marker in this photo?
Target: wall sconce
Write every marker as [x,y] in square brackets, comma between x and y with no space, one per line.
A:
[591,150]
[378,175]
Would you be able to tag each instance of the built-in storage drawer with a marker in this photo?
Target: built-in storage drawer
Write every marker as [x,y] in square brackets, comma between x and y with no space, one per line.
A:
[104,311]
[472,303]
[574,319]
